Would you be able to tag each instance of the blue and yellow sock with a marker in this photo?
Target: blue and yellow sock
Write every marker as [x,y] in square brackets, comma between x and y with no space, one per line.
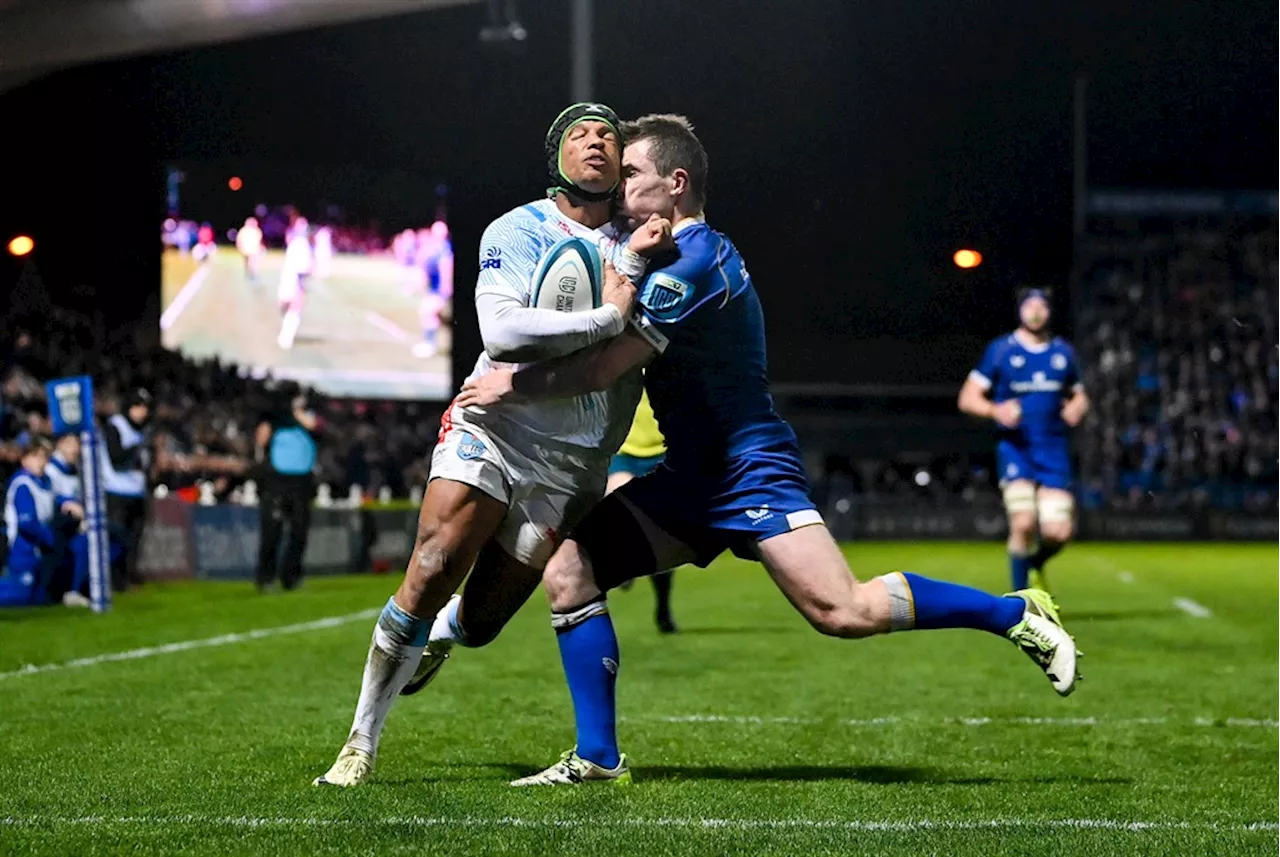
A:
[589,652]
[922,603]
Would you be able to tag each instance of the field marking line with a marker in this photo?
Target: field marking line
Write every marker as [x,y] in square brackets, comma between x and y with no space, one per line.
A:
[188,645]
[184,297]
[1192,608]
[387,326]
[1187,605]
[755,720]
[923,825]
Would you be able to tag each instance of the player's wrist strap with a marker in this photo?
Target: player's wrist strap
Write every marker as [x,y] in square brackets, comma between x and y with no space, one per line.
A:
[630,264]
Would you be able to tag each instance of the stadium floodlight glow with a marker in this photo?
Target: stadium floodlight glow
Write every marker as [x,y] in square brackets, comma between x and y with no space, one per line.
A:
[967,258]
[235,183]
[21,245]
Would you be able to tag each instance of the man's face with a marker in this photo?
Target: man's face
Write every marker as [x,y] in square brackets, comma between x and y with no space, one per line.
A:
[590,156]
[644,192]
[138,414]
[69,448]
[1034,314]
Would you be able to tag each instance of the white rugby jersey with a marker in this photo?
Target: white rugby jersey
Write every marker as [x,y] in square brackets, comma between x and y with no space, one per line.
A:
[516,333]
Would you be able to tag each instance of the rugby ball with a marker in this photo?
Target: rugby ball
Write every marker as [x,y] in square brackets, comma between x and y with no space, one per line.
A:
[569,277]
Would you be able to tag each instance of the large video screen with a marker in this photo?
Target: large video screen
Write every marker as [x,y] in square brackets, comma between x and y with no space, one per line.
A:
[274,271]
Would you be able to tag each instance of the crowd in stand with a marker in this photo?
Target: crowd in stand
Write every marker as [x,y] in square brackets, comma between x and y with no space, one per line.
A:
[1178,338]
[204,412]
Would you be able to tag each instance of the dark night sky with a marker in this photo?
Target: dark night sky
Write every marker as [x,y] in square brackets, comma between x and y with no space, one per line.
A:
[853,146]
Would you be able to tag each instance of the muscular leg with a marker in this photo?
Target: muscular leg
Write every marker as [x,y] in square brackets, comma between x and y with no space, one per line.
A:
[1055,510]
[455,522]
[662,581]
[1020,504]
[499,585]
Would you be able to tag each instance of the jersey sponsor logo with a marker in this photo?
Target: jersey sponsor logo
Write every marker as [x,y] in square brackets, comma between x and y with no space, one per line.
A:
[759,516]
[1017,361]
[1058,361]
[665,292]
[1039,383]
[470,447]
[492,258]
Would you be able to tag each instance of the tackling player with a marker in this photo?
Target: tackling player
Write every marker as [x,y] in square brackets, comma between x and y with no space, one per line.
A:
[505,486]
[733,478]
[642,453]
[1028,382]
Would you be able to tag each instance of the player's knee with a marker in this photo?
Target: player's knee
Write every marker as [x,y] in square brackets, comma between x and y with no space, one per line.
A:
[567,577]
[1056,533]
[436,546]
[1022,528]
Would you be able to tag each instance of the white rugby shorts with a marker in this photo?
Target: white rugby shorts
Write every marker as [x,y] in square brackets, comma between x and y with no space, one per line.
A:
[546,486]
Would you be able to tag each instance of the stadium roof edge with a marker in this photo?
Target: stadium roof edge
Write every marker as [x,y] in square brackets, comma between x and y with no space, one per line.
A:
[40,37]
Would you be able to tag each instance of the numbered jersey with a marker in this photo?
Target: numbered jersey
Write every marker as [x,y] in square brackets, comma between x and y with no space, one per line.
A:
[1039,376]
[509,252]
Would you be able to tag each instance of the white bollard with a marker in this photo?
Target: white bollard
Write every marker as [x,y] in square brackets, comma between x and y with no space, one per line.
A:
[161,492]
[415,495]
[384,495]
[324,496]
[207,497]
[355,497]
[249,496]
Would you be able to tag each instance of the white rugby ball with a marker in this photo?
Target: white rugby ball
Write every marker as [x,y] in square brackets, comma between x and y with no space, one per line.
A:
[569,277]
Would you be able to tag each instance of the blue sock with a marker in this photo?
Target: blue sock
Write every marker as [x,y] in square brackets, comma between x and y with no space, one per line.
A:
[1020,566]
[589,652]
[404,629]
[923,603]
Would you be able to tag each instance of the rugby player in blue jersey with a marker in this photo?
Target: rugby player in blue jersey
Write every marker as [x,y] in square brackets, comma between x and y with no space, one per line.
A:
[733,477]
[1028,382]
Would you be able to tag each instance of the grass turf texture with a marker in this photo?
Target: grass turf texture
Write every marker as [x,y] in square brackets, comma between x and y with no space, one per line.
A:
[749,732]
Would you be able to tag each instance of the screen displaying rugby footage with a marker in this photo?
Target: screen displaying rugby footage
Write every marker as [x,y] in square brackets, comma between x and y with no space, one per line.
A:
[294,272]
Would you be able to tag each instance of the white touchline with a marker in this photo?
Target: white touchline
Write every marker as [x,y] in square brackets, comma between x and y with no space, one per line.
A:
[1192,608]
[387,326]
[170,315]
[923,825]
[187,645]
[757,720]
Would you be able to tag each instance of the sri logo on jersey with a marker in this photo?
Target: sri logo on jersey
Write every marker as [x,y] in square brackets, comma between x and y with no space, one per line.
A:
[492,258]
[1017,361]
[665,296]
[470,447]
[1058,361]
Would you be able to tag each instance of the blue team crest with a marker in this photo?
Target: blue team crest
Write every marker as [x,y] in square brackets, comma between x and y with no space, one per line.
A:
[1058,361]
[664,295]
[470,447]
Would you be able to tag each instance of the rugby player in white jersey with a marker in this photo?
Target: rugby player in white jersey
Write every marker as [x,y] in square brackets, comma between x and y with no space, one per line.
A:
[505,488]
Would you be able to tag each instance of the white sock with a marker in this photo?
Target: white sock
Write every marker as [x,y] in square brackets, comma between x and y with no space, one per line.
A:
[388,668]
[289,328]
[444,630]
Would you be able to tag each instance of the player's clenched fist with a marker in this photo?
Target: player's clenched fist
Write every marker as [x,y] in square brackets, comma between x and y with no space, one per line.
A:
[1074,410]
[652,237]
[1007,413]
[618,290]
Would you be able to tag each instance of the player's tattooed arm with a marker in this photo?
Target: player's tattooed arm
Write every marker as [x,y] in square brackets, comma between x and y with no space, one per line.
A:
[589,370]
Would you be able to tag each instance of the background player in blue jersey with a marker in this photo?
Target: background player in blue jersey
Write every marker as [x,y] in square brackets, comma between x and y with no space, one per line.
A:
[733,477]
[1028,382]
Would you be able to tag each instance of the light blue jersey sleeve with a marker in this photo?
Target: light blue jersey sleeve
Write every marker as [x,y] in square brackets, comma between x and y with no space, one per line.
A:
[513,331]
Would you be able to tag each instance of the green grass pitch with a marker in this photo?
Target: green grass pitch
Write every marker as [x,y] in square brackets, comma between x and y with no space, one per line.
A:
[750,734]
